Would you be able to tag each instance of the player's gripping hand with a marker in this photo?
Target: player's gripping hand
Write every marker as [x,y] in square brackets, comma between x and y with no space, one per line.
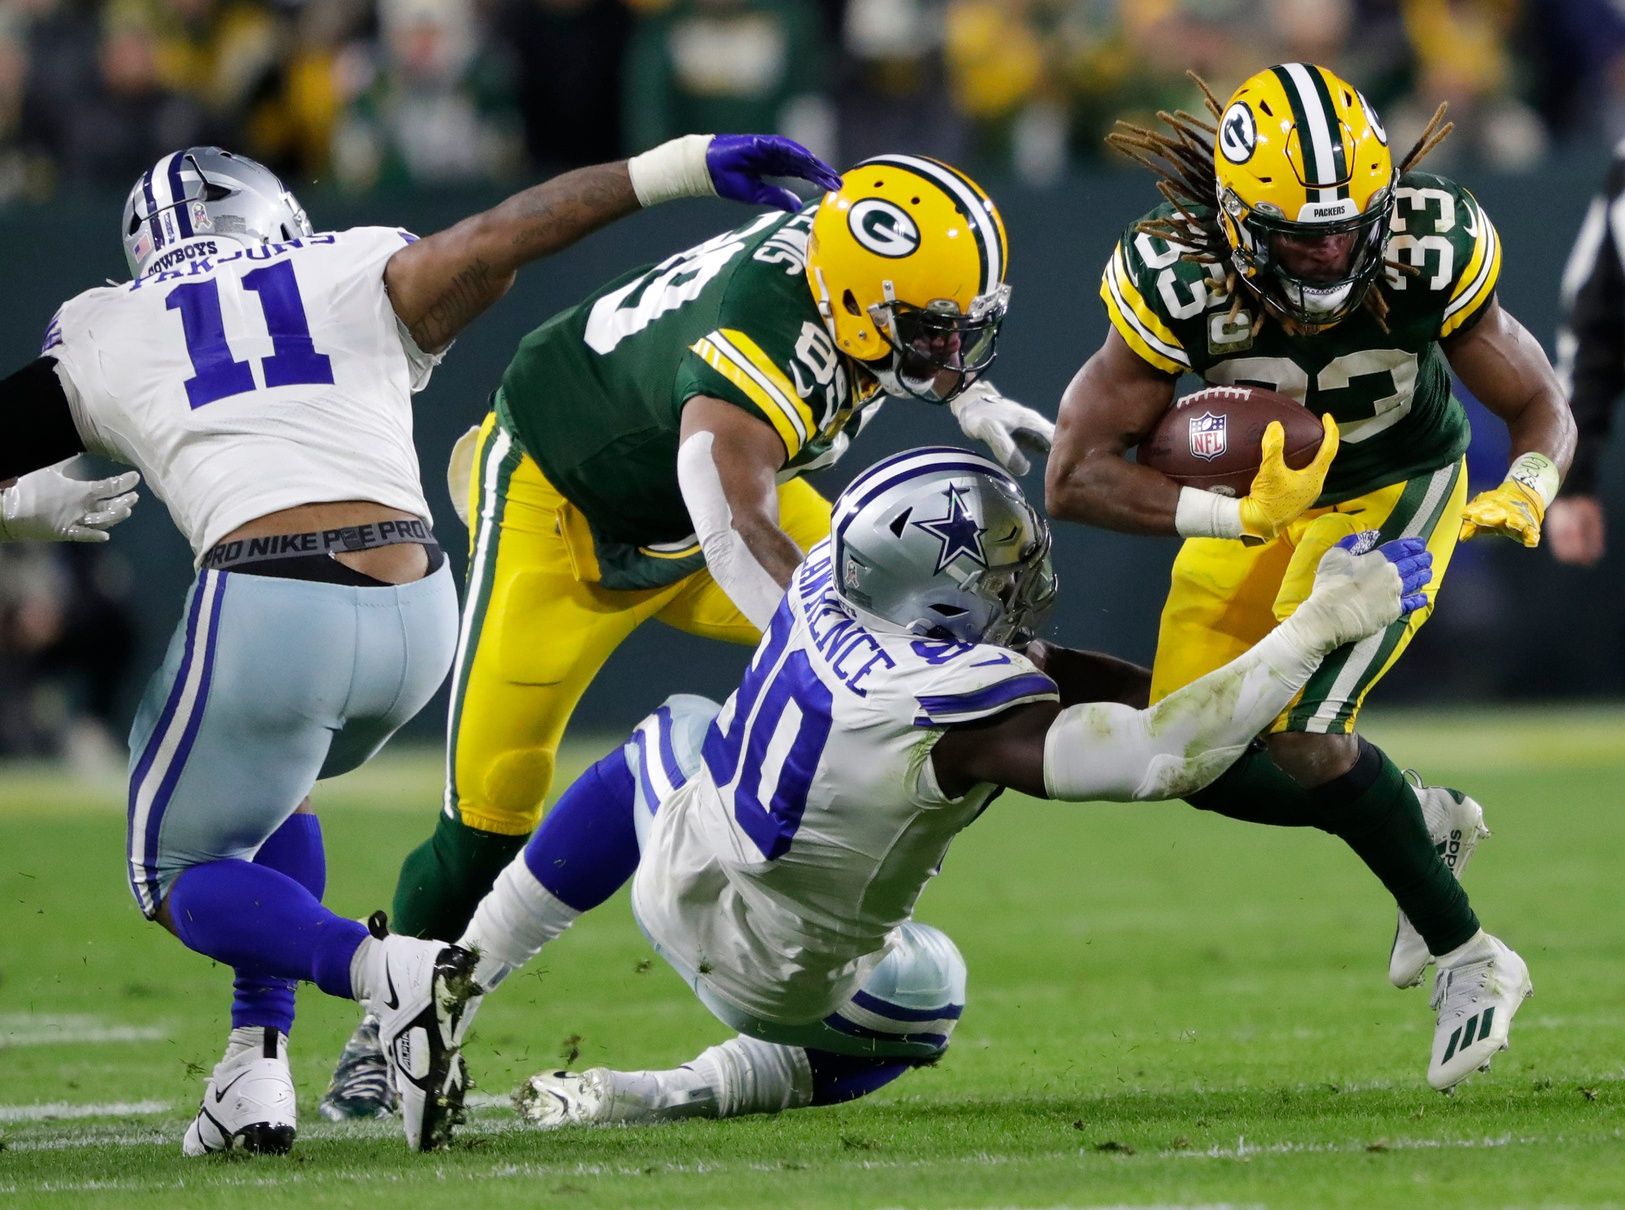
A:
[1360,590]
[1279,494]
[738,162]
[47,506]
[1509,509]
[1006,427]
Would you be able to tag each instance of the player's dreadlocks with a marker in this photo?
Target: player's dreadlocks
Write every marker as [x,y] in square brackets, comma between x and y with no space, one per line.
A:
[1182,161]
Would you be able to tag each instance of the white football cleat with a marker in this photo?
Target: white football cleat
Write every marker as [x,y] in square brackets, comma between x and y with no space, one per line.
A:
[1476,995]
[418,990]
[595,1097]
[248,1101]
[1456,824]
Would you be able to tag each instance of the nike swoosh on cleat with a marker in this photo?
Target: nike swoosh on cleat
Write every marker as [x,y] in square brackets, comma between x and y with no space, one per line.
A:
[393,1000]
[220,1093]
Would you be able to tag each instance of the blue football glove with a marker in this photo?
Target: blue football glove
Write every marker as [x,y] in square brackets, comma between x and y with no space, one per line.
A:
[1414,562]
[738,162]
[1411,559]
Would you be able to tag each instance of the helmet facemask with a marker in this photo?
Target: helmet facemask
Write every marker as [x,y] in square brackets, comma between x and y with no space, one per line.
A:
[941,543]
[937,351]
[1309,302]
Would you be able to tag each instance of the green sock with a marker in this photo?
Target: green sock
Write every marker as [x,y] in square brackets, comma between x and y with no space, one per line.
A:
[1373,811]
[443,879]
[1257,790]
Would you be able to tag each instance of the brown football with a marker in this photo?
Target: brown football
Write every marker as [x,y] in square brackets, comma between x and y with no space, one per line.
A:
[1212,438]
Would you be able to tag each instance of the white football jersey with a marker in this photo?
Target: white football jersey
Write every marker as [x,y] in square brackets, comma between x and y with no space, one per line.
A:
[247,380]
[816,819]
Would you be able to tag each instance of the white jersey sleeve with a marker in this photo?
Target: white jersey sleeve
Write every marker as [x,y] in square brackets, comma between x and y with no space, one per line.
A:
[242,381]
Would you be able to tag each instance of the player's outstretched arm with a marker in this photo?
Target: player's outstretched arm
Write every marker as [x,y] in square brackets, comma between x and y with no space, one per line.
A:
[1111,405]
[1106,750]
[727,463]
[439,284]
[1506,369]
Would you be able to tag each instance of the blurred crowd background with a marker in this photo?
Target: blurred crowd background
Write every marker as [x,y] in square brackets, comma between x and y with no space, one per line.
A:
[417,111]
[381,94]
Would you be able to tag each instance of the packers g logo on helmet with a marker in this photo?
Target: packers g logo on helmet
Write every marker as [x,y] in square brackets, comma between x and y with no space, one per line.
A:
[883,228]
[1300,153]
[906,262]
[1238,133]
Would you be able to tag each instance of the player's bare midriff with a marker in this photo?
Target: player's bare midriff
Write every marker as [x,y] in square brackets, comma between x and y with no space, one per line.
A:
[392,564]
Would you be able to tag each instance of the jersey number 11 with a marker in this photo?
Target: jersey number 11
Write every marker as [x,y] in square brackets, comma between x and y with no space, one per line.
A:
[217,375]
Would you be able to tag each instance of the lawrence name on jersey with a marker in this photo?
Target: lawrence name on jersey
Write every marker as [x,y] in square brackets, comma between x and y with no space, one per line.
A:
[645,456]
[778,844]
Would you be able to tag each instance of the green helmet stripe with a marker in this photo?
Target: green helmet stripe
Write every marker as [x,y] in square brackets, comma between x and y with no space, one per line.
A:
[968,200]
[1316,122]
[1339,165]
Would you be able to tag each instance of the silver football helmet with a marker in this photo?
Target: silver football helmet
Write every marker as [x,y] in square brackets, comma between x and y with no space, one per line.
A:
[940,542]
[206,192]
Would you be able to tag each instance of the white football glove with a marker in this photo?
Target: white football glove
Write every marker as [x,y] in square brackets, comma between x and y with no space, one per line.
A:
[1003,425]
[1360,589]
[47,506]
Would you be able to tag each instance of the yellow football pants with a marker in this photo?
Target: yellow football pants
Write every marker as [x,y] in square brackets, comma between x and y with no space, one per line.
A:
[535,633]
[1223,599]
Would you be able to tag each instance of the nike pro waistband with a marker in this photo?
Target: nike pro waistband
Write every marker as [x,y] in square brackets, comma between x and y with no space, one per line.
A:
[321,542]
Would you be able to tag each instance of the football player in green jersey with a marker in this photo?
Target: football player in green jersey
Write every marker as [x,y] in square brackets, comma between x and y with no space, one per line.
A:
[643,459]
[1324,273]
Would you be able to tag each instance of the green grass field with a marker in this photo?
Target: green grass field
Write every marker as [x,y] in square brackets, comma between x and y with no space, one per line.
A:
[1165,1008]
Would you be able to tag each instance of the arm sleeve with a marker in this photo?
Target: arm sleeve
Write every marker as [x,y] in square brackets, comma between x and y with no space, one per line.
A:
[727,558]
[1591,342]
[38,421]
[1102,750]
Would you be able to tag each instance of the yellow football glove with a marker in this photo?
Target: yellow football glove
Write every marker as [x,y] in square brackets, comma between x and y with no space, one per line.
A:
[1511,510]
[1279,494]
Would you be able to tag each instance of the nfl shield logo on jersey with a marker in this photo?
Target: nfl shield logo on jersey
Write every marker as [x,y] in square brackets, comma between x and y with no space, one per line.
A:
[1207,436]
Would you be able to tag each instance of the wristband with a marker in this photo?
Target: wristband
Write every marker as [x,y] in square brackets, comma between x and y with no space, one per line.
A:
[1538,473]
[672,170]
[1202,514]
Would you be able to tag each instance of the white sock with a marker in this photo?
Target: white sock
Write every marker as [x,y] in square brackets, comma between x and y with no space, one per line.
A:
[513,922]
[247,1043]
[1475,949]
[742,1075]
[361,972]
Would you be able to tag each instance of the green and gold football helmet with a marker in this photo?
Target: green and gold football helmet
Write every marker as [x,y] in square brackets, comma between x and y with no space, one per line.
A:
[906,262]
[1300,154]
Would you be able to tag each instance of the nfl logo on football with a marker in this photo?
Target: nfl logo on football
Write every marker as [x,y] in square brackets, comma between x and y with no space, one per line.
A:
[1207,436]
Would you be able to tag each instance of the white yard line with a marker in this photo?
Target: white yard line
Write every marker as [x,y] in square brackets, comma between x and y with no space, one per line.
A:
[59,1111]
[69,1029]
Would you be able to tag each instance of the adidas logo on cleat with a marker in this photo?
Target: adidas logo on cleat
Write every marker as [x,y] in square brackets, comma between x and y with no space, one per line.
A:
[1476,1026]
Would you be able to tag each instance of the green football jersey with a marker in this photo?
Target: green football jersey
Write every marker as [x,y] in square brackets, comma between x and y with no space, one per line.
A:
[595,395]
[1389,391]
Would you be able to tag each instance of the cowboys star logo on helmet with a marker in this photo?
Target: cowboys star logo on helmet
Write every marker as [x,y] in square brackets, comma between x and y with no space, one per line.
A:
[957,531]
[975,571]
